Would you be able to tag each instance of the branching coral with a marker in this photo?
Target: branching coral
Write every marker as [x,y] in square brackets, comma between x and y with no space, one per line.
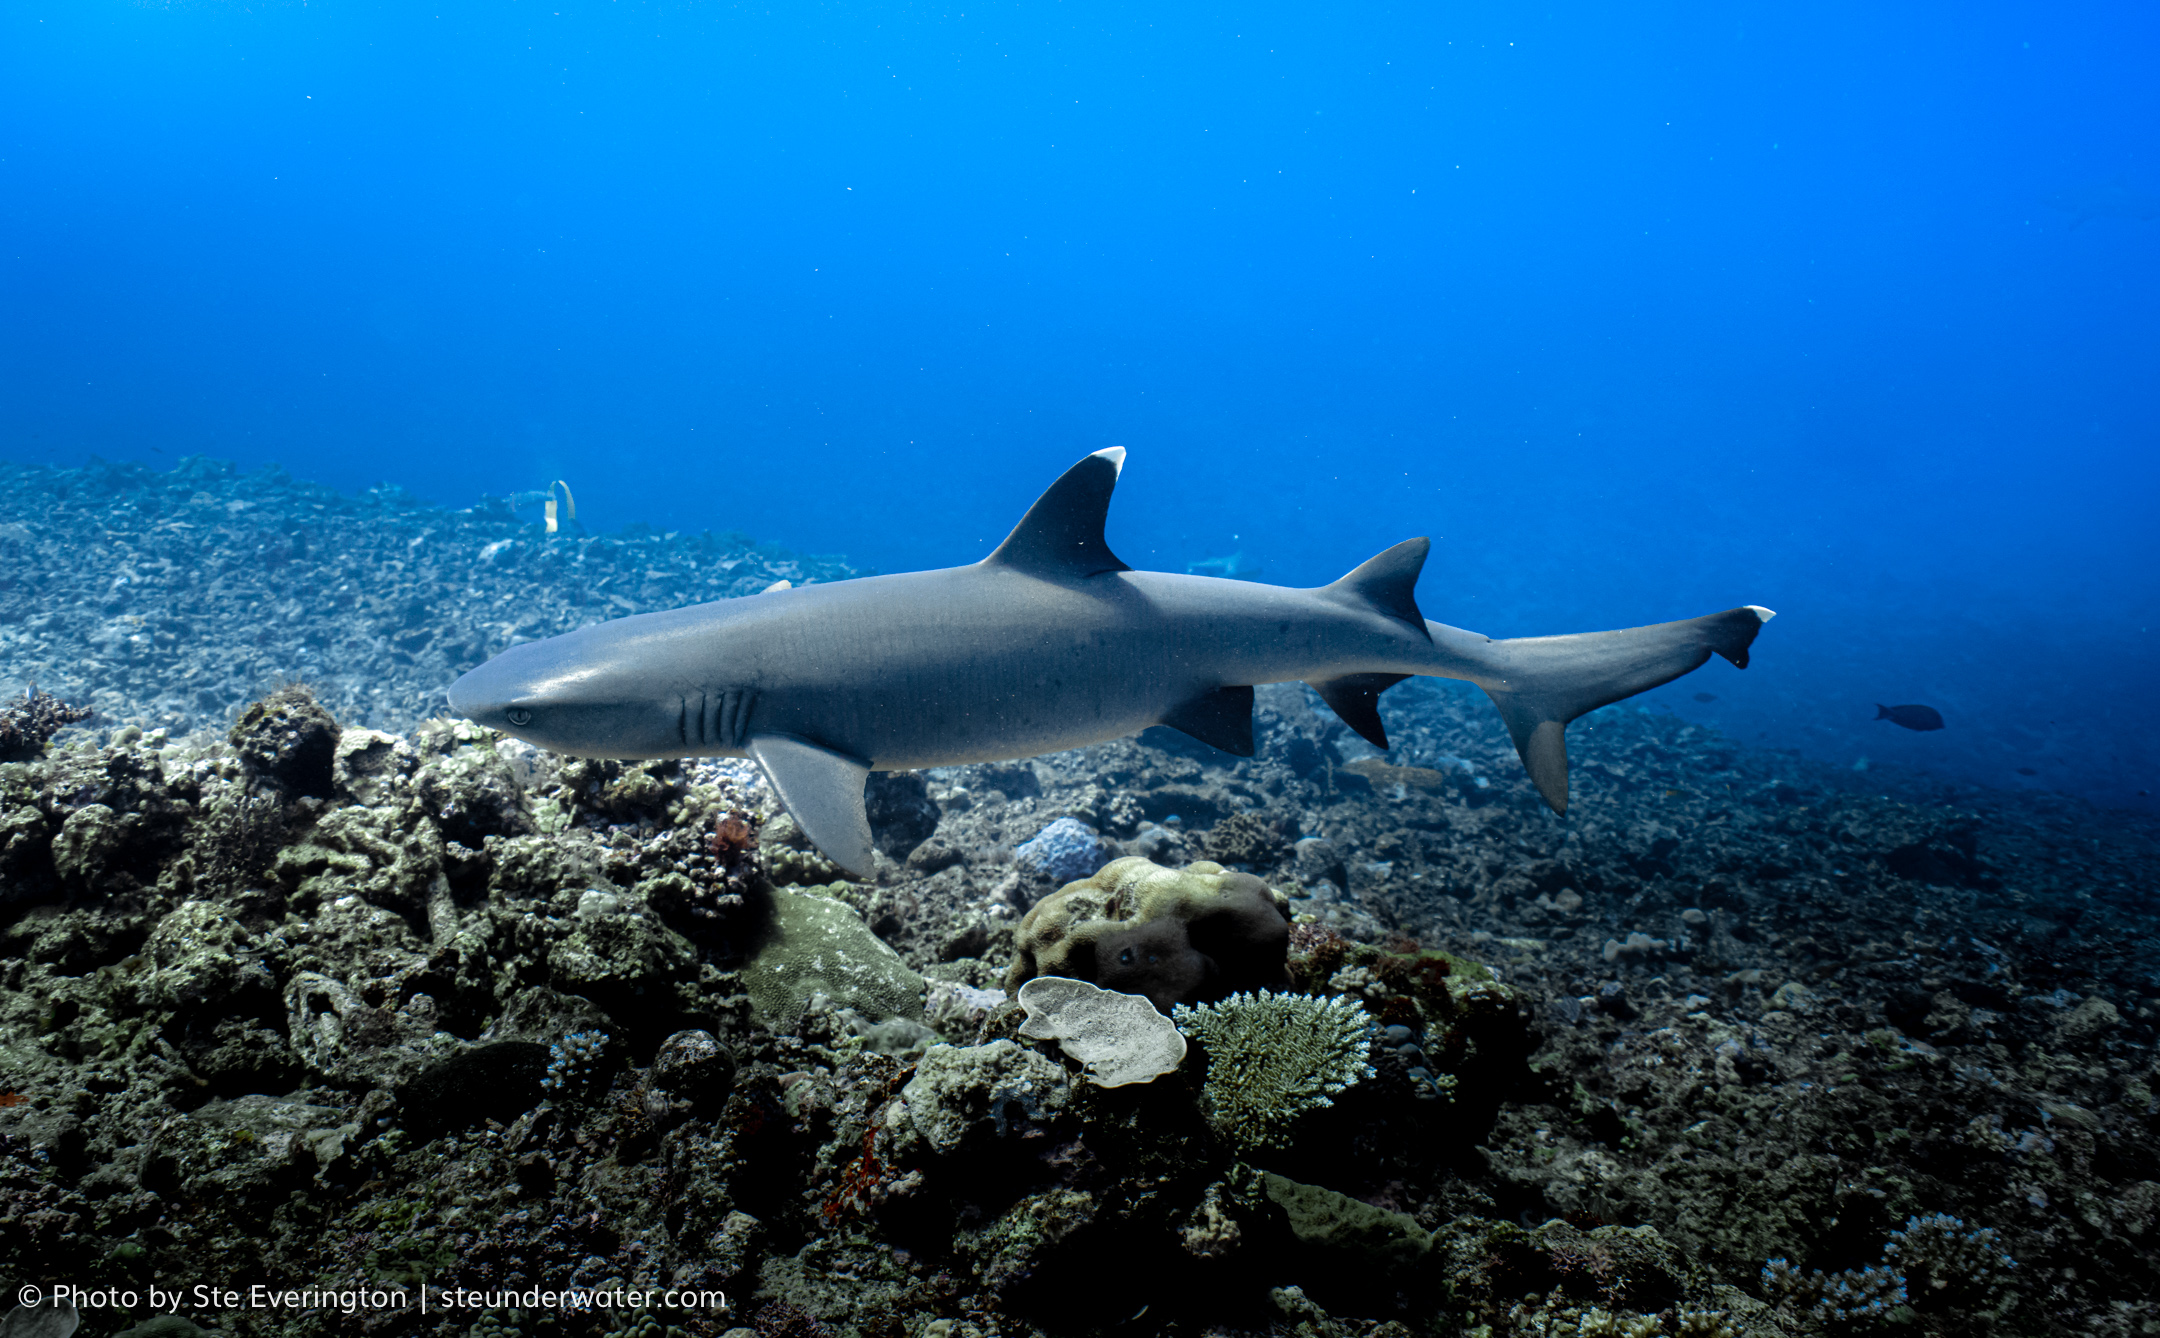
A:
[1274,1057]
[1946,1264]
[1855,1294]
[26,726]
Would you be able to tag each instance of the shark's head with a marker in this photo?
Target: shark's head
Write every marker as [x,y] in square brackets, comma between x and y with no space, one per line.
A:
[582,693]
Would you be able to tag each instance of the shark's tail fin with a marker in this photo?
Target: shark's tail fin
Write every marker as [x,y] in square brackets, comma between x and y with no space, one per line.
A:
[1547,681]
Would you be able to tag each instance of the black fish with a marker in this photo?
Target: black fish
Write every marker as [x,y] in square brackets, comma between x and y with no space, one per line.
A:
[1706,697]
[1911,717]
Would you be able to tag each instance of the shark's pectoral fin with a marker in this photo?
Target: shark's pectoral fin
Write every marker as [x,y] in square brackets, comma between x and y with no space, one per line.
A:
[1220,718]
[1356,699]
[823,790]
[1061,536]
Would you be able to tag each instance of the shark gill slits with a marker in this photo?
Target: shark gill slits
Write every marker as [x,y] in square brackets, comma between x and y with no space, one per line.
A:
[682,720]
[1911,717]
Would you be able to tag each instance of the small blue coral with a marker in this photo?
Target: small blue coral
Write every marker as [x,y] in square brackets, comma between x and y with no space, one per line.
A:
[1856,1293]
[573,1061]
[1065,851]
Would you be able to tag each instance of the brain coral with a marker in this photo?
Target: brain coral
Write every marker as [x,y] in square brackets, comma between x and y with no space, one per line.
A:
[1174,935]
[1274,1057]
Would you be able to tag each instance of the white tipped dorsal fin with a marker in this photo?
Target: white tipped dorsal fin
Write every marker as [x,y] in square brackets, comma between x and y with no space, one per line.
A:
[1759,611]
[1061,536]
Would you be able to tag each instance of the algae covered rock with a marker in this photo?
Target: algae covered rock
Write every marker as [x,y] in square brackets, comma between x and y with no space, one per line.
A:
[288,739]
[976,1094]
[1350,1231]
[1033,1242]
[203,958]
[1174,935]
[376,854]
[369,765]
[88,839]
[817,945]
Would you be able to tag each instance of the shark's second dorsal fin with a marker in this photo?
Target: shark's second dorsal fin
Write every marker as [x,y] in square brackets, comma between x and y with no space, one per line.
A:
[1386,583]
[1061,536]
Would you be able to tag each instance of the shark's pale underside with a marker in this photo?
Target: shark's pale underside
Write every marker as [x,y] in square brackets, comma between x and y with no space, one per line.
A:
[1049,643]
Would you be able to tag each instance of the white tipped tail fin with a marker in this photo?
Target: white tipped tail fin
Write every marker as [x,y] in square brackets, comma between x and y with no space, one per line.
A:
[1544,682]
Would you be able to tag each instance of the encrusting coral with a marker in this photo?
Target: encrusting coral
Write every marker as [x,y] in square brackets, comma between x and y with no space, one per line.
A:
[1174,935]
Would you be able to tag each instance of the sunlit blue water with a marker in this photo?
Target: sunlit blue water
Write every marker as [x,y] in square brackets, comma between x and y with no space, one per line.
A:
[1641,311]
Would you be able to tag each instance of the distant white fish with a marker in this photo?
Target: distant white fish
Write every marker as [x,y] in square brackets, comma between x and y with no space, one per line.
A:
[1232,568]
[2113,198]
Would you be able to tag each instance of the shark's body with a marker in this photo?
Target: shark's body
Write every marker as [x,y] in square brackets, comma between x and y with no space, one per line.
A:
[1050,643]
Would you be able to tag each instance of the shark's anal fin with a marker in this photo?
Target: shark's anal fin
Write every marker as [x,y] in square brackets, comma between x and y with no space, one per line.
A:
[1220,718]
[1356,699]
[1061,536]
[823,790]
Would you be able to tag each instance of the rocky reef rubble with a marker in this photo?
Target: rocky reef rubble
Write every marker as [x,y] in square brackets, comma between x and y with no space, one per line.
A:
[170,599]
[313,1004]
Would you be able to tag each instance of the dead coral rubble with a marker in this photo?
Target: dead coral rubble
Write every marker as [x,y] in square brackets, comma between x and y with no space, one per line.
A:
[170,599]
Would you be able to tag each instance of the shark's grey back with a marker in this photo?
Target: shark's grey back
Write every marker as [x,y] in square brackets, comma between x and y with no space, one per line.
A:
[1049,643]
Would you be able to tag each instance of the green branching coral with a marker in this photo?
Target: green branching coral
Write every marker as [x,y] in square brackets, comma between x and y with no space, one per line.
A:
[1274,1057]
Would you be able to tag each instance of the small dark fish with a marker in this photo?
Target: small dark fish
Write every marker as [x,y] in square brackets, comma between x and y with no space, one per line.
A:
[2027,771]
[1706,697]
[1911,717]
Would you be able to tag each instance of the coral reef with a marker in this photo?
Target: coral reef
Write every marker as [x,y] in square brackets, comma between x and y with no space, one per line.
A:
[258,1028]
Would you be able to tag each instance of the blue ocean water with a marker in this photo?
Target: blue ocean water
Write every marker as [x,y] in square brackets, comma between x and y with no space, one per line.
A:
[1639,311]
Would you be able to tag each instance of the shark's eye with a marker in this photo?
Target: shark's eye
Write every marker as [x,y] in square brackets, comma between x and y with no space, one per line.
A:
[1125,957]
[518,715]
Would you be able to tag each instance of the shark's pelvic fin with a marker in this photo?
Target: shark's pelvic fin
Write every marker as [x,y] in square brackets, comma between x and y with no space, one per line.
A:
[1550,680]
[823,790]
[1061,536]
[1356,699]
[1387,583]
[1221,719]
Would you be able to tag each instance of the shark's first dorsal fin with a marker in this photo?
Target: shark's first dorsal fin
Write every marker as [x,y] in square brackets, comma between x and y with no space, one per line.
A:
[1387,582]
[1061,536]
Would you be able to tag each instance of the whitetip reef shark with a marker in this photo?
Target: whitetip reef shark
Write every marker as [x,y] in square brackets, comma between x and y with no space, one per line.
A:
[1047,644]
